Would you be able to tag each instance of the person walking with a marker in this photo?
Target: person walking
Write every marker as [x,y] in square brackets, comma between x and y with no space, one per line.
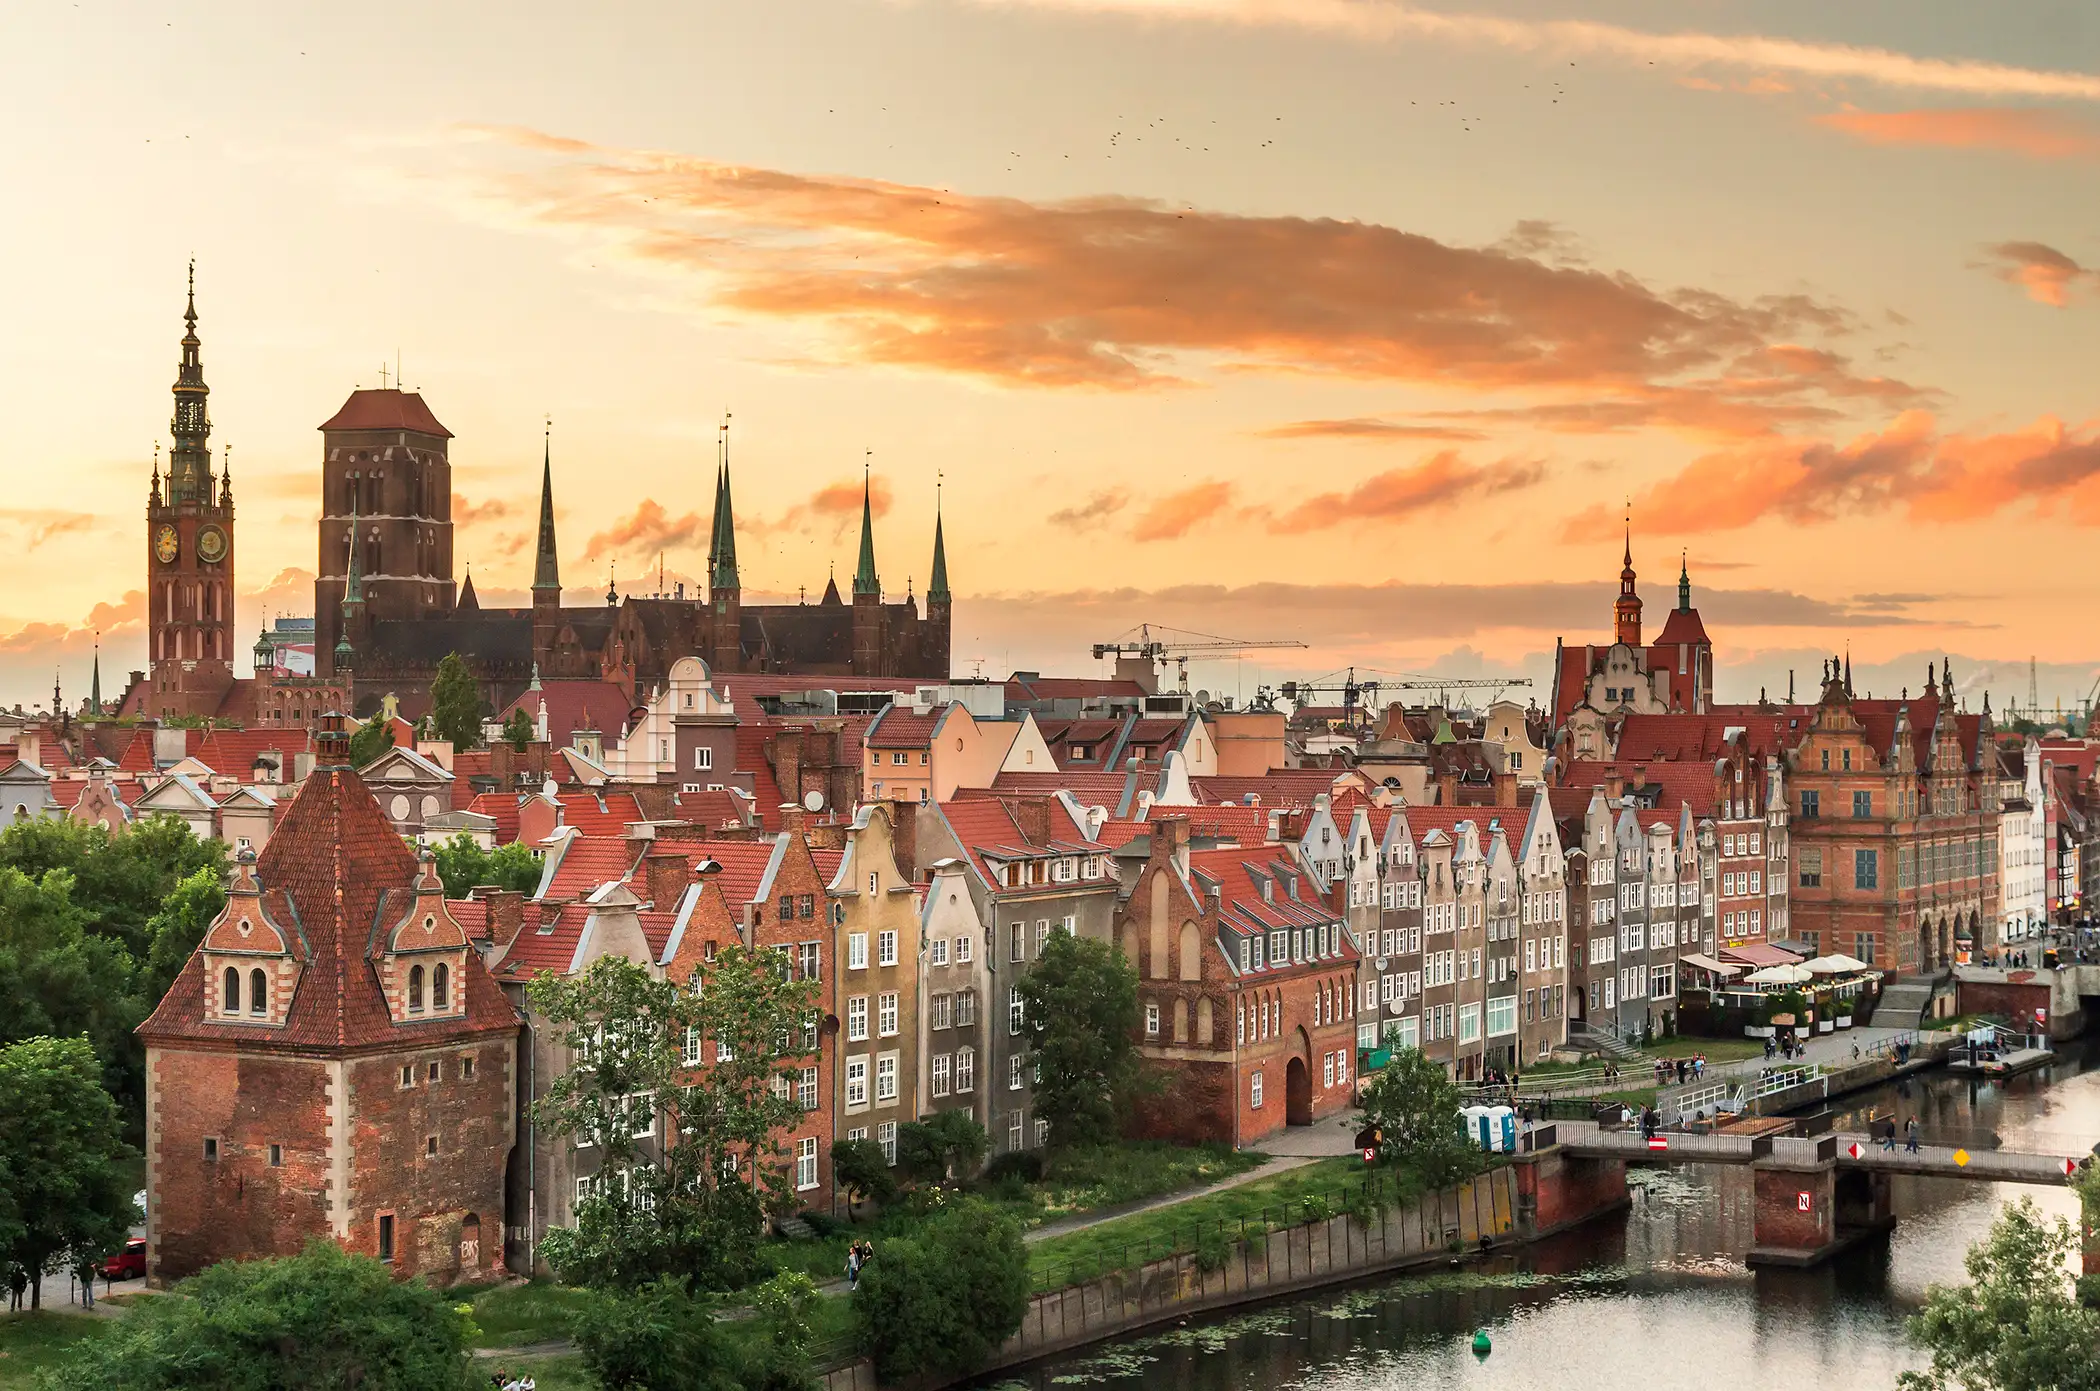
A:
[853,1266]
[85,1273]
[1888,1134]
[1910,1136]
[17,1284]
[1769,1050]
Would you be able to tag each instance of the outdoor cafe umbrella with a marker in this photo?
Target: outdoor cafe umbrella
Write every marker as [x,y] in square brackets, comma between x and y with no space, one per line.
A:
[1780,975]
[1836,964]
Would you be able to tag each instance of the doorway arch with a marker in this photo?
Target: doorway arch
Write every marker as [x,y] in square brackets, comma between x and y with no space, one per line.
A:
[1297,1081]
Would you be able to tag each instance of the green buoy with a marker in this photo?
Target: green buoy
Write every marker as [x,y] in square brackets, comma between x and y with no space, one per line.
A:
[1482,1344]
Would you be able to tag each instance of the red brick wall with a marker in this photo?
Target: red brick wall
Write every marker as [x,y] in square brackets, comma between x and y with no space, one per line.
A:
[2015,1002]
[237,1205]
[798,878]
[1778,1221]
[1566,1190]
[391,1170]
[1194,1103]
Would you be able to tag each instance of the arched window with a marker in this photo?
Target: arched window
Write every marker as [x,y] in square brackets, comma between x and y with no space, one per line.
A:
[233,991]
[258,992]
[415,989]
[439,983]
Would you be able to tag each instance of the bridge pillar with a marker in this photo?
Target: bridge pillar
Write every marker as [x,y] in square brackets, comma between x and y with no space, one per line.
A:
[1794,1215]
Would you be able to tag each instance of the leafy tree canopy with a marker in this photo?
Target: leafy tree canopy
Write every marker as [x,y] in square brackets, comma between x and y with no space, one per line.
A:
[859,1167]
[118,880]
[944,1300]
[1080,1018]
[59,980]
[1417,1106]
[2017,1325]
[323,1319]
[696,1147]
[518,730]
[178,927]
[462,864]
[371,739]
[948,1144]
[63,1191]
[455,704]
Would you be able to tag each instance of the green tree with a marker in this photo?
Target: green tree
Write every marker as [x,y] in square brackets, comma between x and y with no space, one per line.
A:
[455,704]
[177,928]
[2017,1325]
[1080,1019]
[323,1319]
[948,1144]
[463,865]
[59,981]
[1416,1108]
[944,1300]
[62,1159]
[656,1338]
[371,739]
[518,730]
[699,1181]
[859,1167]
[118,881]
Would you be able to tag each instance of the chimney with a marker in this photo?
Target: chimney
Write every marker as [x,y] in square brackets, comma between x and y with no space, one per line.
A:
[792,819]
[666,873]
[904,837]
[1505,789]
[331,742]
[1032,815]
[506,914]
[785,751]
[1614,786]
[1447,789]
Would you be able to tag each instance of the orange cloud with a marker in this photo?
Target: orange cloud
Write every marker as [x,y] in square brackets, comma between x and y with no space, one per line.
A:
[835,505]
[1909,467]
[466,513]
[2029,132]
[43,524]
[1437,481]
[1082,516]
[1367,427]
[1124,294]
[2046,274]
[1170,517]
[650,529]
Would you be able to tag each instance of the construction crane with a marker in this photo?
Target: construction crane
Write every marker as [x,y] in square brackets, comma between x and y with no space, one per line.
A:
[1140,644]
[1354,692]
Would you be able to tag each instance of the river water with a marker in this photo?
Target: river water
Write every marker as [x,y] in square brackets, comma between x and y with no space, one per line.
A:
[1658,1298]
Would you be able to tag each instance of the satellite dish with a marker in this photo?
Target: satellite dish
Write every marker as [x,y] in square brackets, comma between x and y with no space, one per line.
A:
[813,800]
[1203,697]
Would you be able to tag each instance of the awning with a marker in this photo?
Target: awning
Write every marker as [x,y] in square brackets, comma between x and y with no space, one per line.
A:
[1759,954]
[1707,963]
[1780,975]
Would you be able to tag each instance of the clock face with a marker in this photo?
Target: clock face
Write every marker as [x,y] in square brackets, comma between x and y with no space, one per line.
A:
[166,544]
[211,545]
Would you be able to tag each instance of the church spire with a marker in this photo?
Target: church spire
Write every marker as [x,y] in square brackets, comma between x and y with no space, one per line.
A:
[865,580]
[937,587]
[722,572]
[546,567]
[1684,582]
[95,681]
[189,464]
[1626,611]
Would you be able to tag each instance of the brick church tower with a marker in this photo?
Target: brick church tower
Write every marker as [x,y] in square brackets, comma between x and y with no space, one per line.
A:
[334,1059]
[385,472]
[189,554]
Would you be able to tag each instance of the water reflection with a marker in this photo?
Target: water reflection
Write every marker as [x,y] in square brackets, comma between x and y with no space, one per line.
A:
[1660,1297]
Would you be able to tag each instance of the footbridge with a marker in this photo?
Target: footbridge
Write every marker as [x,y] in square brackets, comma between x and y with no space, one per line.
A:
[1814,1195]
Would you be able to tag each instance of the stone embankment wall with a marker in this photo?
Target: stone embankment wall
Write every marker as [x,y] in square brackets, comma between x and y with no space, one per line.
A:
[1535,1195]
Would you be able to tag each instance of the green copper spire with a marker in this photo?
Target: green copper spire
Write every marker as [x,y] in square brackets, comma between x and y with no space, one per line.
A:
[546,566]
[95,682]
[937,588]
[865,580]
[722,573]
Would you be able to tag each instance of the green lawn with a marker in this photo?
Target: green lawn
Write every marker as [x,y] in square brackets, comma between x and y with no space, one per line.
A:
[1280,1201]
[1717,1050]
[1074,1183]
[514,1315]
[30,1343]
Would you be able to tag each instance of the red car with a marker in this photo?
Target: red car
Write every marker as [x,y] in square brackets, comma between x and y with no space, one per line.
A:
[128,1264]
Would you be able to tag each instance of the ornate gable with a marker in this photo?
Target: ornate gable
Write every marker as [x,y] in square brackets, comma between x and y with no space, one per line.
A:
[253,958]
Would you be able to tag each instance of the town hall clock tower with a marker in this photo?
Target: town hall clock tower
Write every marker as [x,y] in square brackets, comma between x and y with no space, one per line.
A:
[189,556]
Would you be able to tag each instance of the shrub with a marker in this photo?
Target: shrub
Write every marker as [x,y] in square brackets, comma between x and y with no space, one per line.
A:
[859,1167]
[658,1338]
[1213,1249]
[824,1224]
[1026,1165]
[944,1301]
[1317,1208]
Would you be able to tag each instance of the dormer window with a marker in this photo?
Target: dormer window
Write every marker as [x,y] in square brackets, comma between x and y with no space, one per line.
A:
[258,991]
[440,986]
[415,990]
[232,1004]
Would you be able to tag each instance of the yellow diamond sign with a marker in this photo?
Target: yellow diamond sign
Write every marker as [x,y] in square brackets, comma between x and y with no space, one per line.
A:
[1961,1157]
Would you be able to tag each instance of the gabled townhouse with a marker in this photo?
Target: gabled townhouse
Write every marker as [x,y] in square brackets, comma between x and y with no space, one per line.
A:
[1246,990]
[1032,869]
[922,753]
[875,990]
[1440,946]
[1503,899]
[956,985]
[1391,1016]
[1542,870]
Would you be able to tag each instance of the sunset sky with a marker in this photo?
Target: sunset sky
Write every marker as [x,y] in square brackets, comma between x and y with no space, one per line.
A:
[1338,320]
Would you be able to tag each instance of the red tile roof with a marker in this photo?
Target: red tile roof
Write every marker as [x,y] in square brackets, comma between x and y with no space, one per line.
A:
[574,705]
[502,808]
[232,752]
[752,762]
[589,861]
[715,808]
[1279,787]
[901,727]
[332,872]
[388,408]
[600,813]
